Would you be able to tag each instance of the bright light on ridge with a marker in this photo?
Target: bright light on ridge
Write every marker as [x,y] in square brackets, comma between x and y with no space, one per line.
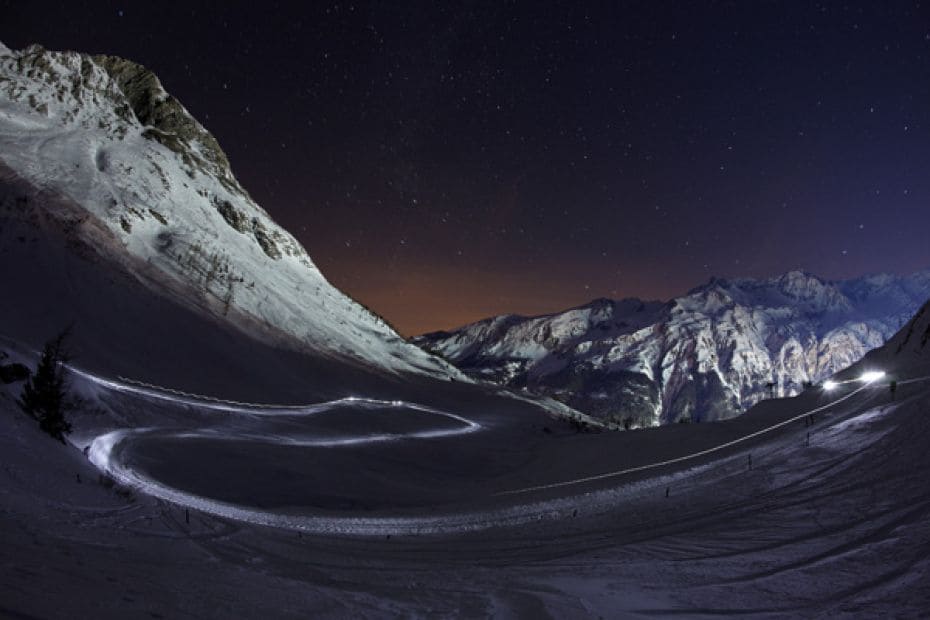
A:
[872,375]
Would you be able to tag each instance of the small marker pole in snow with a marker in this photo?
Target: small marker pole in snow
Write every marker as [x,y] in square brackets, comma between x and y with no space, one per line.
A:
[771,387]
[666,491]
[750,462]
[808,438]
[78,478]
[187,516]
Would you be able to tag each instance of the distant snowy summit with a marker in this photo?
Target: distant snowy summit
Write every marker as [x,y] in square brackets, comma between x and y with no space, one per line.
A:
[707,355]
[97,150]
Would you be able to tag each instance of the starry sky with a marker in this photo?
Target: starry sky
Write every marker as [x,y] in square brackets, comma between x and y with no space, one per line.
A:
[444,162]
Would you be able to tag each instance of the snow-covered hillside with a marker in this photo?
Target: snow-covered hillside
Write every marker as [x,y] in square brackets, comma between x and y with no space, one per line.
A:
[815,506]
[909,347]
[92,147]
[707,355]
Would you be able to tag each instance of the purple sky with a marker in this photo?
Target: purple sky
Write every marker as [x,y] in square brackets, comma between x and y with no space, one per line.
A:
[446,163]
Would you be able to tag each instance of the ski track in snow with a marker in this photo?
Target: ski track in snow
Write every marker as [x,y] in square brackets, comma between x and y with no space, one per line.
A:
[151,391]
[104,454]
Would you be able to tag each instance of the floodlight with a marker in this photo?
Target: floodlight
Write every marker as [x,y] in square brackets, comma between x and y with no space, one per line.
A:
[872,375]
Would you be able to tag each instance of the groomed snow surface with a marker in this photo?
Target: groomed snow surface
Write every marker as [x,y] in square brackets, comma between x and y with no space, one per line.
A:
[421,521]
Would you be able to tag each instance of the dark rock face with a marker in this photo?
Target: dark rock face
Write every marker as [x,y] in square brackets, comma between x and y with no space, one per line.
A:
[621,397]
[264,240]
[168,121]
[241,222]
[235,218]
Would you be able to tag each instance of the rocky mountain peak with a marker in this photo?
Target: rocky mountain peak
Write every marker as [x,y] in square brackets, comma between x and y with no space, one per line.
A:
[706,355]
[140,184]
[166,120]
[800,283]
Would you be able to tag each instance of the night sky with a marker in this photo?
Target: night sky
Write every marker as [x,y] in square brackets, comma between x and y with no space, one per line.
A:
[446,163]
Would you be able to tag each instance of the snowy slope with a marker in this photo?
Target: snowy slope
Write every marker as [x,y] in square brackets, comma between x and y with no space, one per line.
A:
[906,350]
[95,149]
[706,355]
[829,518]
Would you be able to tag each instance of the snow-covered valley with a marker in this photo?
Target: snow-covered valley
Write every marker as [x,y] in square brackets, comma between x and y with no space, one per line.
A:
[249,442]
[826,513]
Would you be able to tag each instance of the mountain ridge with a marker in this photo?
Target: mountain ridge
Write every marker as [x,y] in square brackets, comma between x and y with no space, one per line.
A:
[95,148]
[709,354]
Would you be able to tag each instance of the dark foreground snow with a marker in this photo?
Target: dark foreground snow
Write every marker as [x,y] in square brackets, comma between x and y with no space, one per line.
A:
[427,525]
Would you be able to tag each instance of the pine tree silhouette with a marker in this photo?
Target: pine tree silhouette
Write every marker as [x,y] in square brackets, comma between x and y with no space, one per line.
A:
[45,394]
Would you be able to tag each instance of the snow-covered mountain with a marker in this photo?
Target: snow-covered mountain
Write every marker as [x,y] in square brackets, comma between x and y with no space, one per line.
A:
[707,355]
[93,148]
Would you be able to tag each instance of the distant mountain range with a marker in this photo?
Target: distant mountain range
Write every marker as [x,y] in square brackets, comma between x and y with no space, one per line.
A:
[707,355]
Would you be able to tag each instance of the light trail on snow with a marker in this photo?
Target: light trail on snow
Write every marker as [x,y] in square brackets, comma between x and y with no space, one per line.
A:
[104,453]
[698,454]
[152,391]
[159,392]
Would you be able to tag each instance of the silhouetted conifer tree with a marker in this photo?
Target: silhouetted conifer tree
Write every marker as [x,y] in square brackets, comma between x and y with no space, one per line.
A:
[45,394]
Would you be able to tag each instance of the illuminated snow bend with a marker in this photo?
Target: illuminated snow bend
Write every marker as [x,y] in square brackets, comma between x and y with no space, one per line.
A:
[104,453]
